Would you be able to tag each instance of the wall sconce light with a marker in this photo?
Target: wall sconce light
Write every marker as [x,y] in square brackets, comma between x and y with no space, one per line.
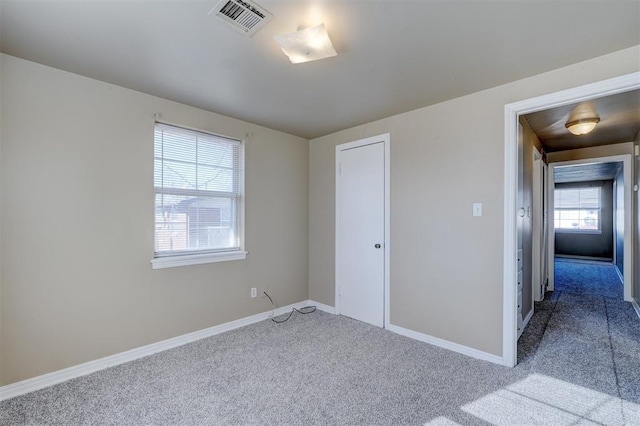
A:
[582,126]
[306,45]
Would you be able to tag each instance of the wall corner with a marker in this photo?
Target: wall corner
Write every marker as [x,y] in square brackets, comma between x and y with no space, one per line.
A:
[1,239]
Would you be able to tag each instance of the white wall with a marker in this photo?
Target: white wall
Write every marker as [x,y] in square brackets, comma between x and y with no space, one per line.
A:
[618,220]
[446,266]
[636,254]
[1,68]
[77,223]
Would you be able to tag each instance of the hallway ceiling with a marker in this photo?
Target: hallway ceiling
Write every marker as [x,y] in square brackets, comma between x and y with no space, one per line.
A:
[586,172]
[619,122]
[393,55]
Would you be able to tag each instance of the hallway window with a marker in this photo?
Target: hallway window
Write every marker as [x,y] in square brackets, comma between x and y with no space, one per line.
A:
[577,209]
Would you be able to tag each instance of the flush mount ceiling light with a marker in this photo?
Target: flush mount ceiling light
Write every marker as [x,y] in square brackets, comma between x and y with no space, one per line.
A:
[582,126]
[582,119]
[306,45]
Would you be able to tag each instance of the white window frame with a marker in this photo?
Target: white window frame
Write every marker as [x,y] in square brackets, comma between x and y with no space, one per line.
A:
[207,256]
[578,230]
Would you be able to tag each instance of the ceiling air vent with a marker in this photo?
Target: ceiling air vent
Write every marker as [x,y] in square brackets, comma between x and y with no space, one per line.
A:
[243,15]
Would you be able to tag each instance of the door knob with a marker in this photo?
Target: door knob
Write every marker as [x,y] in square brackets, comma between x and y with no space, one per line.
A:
[377,246]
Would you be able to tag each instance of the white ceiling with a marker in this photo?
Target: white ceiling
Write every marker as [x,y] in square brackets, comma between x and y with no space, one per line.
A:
[393,55]
[619,122]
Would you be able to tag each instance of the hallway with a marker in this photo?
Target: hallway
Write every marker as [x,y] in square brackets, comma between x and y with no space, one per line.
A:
[584,333]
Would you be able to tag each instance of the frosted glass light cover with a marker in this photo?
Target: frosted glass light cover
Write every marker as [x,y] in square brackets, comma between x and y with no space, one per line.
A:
[583,126]
[306,45]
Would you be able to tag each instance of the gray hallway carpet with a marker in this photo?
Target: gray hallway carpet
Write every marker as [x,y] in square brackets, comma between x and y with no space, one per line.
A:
[579,364]
[584,333]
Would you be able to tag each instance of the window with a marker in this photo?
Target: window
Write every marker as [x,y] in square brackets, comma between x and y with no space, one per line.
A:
[197,181]
[577,209]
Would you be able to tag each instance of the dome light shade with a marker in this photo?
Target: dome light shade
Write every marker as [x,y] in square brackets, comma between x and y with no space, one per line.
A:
[306,45]
[582,126]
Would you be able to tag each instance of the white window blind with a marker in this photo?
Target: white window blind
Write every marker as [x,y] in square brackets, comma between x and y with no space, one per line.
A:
[197,192]
[577,209]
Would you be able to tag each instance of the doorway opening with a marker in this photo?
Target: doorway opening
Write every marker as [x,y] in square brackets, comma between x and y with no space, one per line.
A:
[512,209]
[599,226]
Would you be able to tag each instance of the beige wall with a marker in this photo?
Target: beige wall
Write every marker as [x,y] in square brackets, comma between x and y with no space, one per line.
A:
[77,221]
[76,170]
[446,266]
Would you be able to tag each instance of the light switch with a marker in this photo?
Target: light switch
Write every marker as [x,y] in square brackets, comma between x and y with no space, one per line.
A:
[477,209]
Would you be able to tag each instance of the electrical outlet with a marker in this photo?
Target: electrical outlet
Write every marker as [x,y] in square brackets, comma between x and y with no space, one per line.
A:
[254,292]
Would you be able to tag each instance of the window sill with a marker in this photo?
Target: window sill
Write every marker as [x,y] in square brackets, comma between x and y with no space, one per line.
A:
[577,231]
[196,259]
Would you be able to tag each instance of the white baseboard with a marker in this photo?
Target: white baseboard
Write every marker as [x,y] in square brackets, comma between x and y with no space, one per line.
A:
[455,347]
[53,378]
[619,273]
[321,306]
[636,306]
[465,350]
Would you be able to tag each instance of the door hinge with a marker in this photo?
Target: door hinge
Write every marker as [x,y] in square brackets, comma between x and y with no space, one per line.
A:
[340,169]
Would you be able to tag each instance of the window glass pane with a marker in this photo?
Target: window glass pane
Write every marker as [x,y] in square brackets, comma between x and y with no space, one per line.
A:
[577,219]
[577,198]
[590,219]
[590,197]
[215,179]
[187,165]
[178,147]
[216,154]
[186,223]
[178,175]
[157,172]
[577,209]
[171,224]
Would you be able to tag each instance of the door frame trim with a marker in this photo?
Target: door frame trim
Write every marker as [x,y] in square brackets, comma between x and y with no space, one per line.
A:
[537,224]
[386,140]
[627,178]
[512,111]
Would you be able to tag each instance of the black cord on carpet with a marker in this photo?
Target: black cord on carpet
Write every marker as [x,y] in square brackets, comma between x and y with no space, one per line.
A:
[305,310]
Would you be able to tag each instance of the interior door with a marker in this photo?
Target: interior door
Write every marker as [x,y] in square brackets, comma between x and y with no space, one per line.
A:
[520,233]
[360,232]
[538,220]
[545,230]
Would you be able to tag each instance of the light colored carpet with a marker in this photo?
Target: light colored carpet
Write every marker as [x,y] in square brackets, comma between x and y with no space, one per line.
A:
[579,364]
